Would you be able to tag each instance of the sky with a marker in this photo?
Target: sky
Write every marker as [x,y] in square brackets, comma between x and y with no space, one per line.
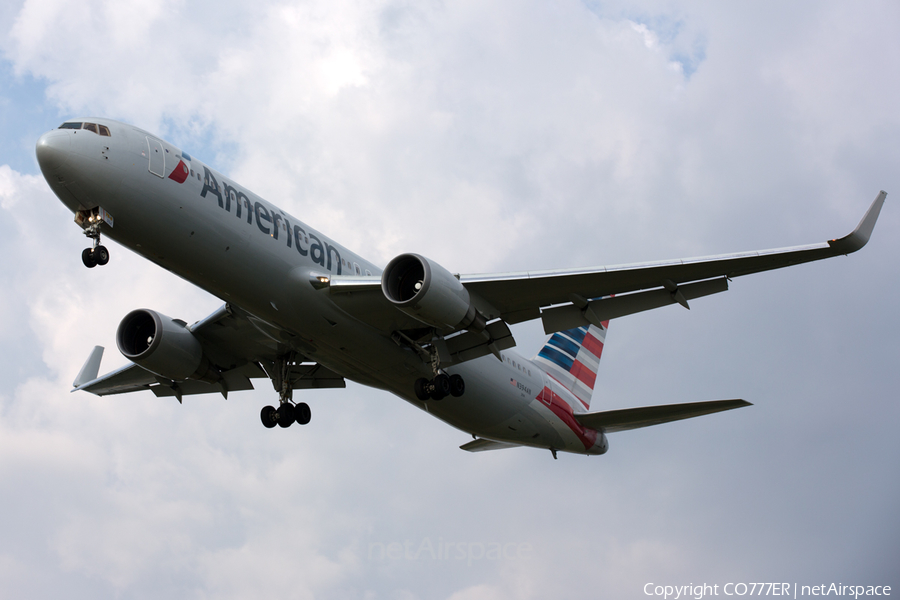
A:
[490,136]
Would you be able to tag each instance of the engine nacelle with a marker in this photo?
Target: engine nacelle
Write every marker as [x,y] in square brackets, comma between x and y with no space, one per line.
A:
[163,346]
[428,292]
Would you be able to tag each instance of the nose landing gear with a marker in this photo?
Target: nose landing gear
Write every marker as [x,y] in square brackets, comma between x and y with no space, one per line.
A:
[98,255]
[90,220]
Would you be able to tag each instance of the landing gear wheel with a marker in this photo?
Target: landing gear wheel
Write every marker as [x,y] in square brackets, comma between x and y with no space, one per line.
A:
[101,255]
[457,386]
[285,415]
[268,417]
[441,385]
[302,413]
[88,258]
[421,388]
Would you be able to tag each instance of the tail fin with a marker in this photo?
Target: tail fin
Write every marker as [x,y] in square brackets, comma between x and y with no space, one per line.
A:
[571,357]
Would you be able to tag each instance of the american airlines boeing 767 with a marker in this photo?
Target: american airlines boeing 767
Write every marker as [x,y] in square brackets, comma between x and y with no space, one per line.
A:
[306,312]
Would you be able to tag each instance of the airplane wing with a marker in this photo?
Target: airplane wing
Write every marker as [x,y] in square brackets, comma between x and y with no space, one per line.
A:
[611,421]
[568,298]
[523,296]
[239,348]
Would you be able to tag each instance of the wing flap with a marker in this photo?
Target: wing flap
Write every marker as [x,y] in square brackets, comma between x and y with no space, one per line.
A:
[611,421]
[595,312]
[475,344]
[315,376]
[232,381]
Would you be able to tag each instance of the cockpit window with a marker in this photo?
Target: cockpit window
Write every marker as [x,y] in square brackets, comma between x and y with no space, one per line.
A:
[98,129]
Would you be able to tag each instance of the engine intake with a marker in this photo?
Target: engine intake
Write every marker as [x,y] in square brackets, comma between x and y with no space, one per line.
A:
[163,346]
[428,292]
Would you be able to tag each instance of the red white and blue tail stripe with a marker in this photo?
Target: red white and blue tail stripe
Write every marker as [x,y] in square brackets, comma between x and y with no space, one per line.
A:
[571,357]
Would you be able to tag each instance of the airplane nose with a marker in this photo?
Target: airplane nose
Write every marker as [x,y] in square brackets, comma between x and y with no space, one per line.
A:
[53,150]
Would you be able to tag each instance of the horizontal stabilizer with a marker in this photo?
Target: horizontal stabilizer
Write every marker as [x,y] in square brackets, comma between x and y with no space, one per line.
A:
[483,445]
[611,421]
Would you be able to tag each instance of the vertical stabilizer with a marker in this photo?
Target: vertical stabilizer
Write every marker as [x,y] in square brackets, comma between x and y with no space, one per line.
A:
[571,357]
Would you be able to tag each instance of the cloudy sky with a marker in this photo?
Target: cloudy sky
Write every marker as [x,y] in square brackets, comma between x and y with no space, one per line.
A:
[489,136]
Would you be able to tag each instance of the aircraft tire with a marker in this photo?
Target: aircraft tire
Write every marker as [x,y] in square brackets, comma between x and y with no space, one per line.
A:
[302,413]
[87,257]
[457,386]
[267,416]
[441,384]
[285,415]
[101,255]
[421,388]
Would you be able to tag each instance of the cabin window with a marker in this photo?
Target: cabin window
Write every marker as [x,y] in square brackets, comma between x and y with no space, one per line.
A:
[71,125]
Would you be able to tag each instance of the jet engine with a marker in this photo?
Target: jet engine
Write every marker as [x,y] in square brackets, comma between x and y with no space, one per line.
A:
[163,346]
[428,292]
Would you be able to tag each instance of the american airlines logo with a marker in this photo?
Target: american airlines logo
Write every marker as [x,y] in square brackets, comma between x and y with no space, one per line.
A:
[269,222]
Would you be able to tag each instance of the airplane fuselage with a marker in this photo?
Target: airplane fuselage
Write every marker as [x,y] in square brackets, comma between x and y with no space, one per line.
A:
[193,221]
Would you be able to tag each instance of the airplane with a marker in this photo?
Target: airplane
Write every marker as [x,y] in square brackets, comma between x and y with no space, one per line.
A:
[307,313]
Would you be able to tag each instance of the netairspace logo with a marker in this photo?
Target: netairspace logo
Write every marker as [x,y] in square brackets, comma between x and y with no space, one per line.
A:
[697,592]
[470,552]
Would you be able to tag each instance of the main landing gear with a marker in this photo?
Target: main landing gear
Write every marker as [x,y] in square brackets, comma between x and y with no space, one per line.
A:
[285,415]
[440,387]
[287,412]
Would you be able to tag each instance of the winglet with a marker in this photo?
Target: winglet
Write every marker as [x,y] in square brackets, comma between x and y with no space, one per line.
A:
[91,368]
[860,236]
